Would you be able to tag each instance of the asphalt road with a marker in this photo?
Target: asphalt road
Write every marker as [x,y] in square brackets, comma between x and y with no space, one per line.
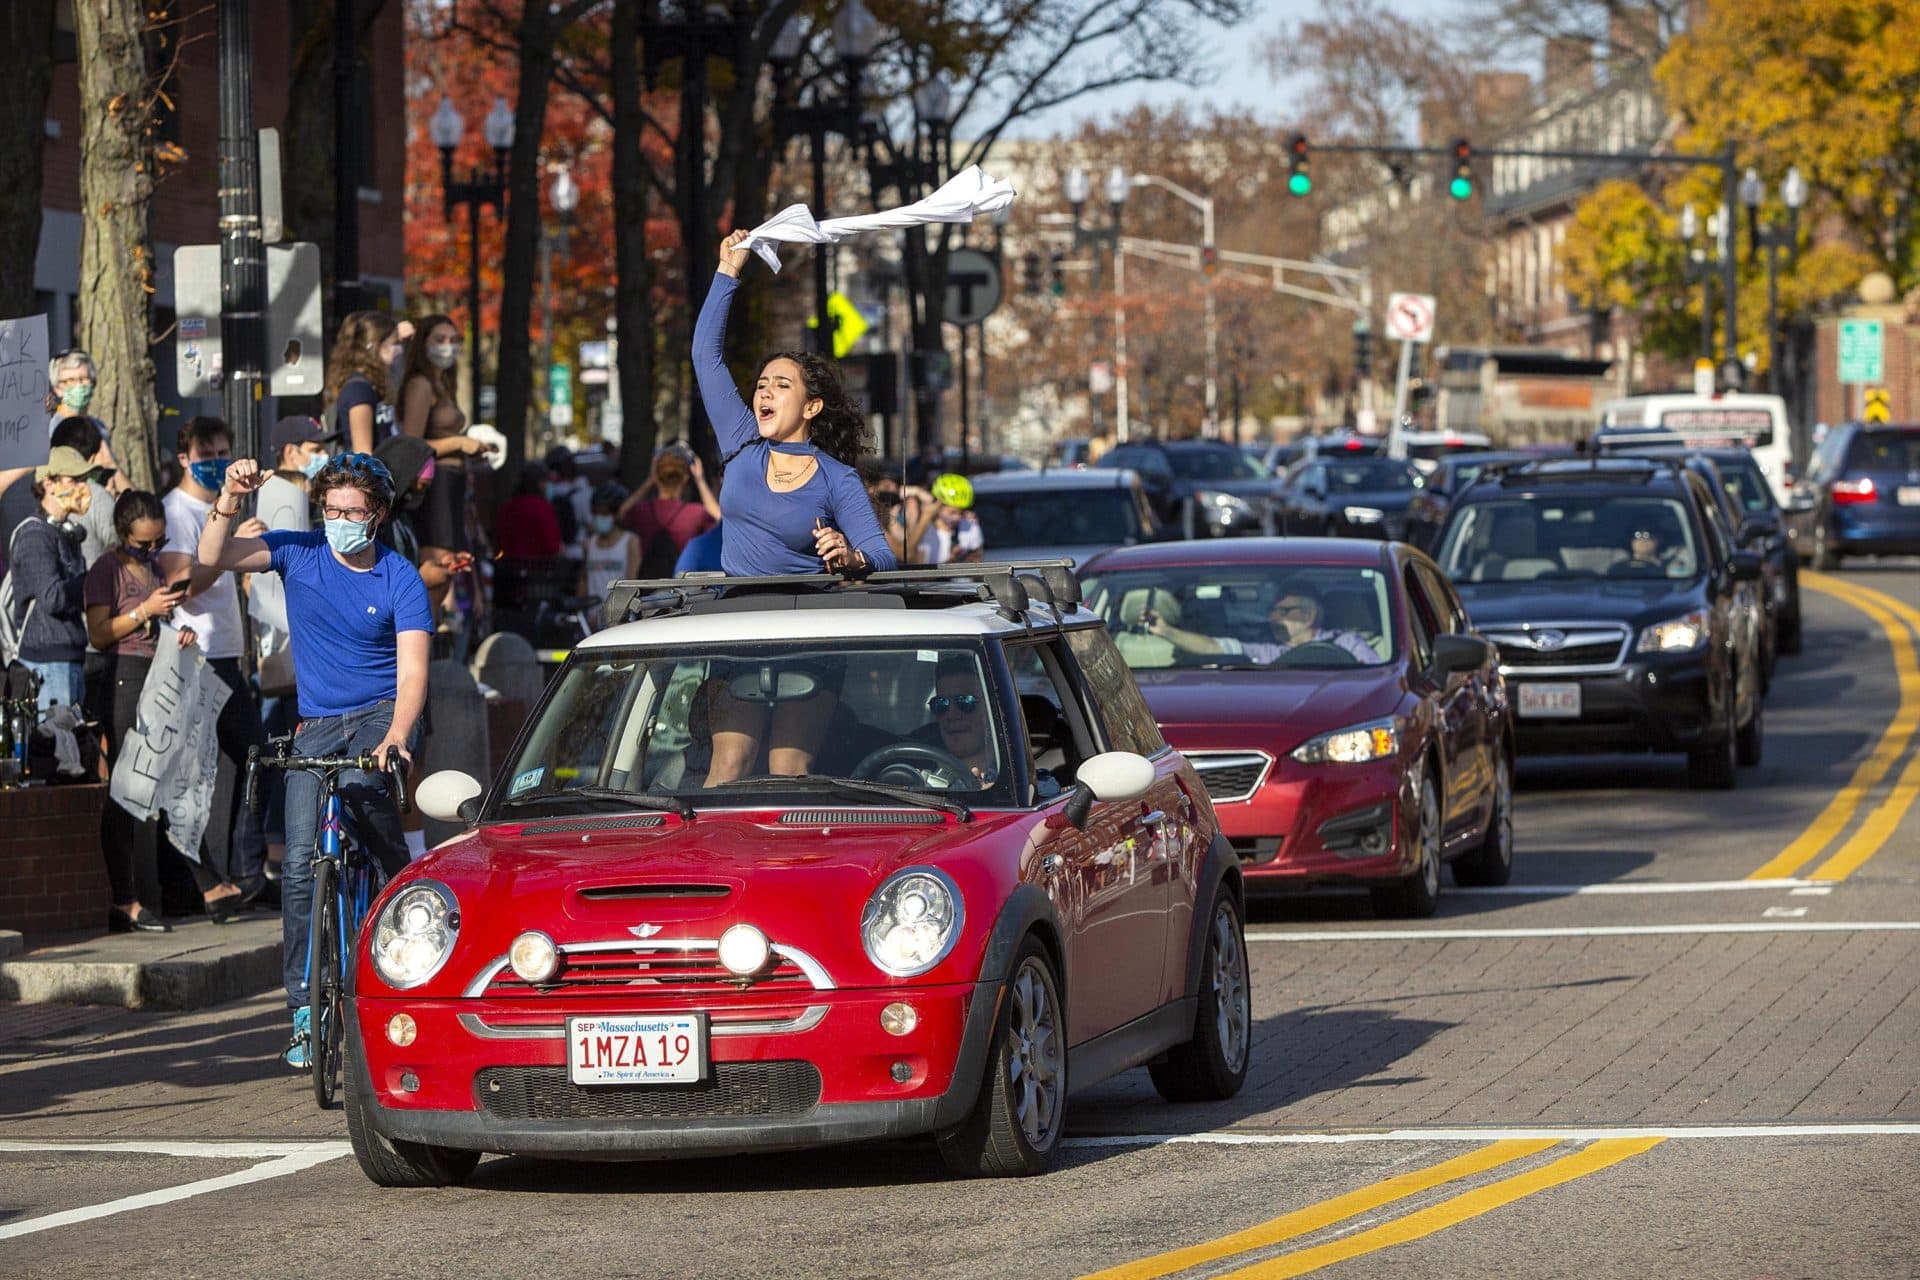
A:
[1685,1041]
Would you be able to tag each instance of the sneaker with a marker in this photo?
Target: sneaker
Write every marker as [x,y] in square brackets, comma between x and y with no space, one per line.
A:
[298,1051]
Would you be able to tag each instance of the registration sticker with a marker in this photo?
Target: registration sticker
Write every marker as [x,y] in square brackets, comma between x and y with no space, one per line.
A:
[527,781]
[1556,701]
[666,1048]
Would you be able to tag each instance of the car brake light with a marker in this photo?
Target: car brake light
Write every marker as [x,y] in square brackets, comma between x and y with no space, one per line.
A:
[1847,493]
[1355,444]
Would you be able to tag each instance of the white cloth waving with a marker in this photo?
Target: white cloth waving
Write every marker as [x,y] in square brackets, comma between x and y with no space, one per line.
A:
[965,195]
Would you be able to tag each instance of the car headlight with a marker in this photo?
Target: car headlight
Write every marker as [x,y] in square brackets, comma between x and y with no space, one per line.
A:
[1363,515]
[1676,635]
[1361,743]
[1224,504]
[414,934]
[911,922]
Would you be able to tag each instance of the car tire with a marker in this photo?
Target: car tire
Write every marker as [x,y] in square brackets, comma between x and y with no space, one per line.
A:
[1417,894]
[1490,863]
[1750,742]
[1825,558]
[1712,768]
[388,1162]
[1213,1064]
[326,1002]
[1019,1116]
[1790,631]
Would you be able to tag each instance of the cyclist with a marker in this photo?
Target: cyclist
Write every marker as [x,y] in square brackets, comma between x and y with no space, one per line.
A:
[360,624]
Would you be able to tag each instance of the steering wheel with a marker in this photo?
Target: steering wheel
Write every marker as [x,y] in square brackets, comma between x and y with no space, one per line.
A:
[1316,653]
[915,764]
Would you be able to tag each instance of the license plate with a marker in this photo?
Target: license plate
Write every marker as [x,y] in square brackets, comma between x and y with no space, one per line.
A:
[654,1049]
[1550,701]
[1908,495]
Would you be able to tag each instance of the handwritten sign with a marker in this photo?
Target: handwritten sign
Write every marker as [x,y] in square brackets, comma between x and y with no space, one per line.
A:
[23,392]
[168,762]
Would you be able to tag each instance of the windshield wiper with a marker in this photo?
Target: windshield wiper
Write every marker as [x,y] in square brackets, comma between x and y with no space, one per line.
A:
[857,787]
[631,799]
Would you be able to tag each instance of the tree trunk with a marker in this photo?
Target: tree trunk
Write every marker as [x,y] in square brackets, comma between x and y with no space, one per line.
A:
[513,371]
[26,74]
[633,283]
[116,257]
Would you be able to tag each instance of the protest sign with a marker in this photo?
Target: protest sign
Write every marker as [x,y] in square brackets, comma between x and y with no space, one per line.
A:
[23,392]
[167,763]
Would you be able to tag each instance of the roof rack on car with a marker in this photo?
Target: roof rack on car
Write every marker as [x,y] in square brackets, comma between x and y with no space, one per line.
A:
[1009,585]
[1585,470]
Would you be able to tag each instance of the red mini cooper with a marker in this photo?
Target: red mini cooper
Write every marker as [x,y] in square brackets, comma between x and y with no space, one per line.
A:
[778,863]
[1349,726]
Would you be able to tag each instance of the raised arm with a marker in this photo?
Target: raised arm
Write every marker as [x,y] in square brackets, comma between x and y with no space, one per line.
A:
[219,547]
[733,423]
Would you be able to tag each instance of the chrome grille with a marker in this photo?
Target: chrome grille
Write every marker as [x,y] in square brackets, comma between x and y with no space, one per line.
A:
[734,1089]
[1570,648]
[656,967]
[1230,775]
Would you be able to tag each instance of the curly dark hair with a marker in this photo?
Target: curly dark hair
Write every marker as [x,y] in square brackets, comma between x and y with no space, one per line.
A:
[839,430]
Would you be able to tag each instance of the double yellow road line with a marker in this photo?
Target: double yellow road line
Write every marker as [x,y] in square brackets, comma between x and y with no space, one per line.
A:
[1413,1226]
[1898,621]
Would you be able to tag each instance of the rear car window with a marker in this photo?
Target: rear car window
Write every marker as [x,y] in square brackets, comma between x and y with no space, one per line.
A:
[1057,517]
[1884,451]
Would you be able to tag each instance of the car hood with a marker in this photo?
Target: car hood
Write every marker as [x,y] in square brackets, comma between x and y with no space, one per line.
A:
[1190,704]
[1494,604]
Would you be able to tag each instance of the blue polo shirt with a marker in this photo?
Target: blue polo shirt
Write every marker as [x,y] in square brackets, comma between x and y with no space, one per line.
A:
[345,622]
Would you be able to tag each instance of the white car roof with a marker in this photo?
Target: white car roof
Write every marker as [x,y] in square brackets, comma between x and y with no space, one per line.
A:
[1060,478]
[969,621]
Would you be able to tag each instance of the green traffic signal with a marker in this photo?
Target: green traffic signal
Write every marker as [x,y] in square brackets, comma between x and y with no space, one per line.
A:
[1299,184]
[1461,188]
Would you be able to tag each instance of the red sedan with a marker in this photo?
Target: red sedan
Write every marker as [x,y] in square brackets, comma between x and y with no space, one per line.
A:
[1348,725]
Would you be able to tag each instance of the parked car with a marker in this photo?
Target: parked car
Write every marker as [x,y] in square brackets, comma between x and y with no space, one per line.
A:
[1348,726]
[994,883]
[1204,488]
[1861,494]
[1614,598]
[1030,515]
[1349,497]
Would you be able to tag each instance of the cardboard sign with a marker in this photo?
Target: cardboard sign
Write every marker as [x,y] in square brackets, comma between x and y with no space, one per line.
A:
[23,392]
[168,762]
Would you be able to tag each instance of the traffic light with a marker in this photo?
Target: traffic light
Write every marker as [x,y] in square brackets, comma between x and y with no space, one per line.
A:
[1299,180]
[1059,283]
[1461,187]
[1209,259]
[1363,350]
[1030,272]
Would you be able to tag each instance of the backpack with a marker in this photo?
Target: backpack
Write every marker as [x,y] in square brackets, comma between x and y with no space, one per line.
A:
[11,631]
[659,556]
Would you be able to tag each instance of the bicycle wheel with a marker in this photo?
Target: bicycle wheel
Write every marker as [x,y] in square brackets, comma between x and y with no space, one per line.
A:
[324,991]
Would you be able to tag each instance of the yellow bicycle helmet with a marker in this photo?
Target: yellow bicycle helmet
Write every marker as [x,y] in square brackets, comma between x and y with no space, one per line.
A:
[954,490]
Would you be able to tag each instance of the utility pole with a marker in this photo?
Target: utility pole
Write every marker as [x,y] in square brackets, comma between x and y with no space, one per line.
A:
[243,260]
[347,163]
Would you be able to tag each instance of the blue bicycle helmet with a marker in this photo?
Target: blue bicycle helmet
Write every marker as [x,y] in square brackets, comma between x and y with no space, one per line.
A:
[350,468]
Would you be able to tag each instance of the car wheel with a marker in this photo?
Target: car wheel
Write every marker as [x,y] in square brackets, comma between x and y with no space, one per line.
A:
[1825,558]
[1790,630]
[392,1163]
[1712,768]
[1749,742]
[1491,861]
[1213,1065]
[1417,894]
[1017,1120]
[325,1003]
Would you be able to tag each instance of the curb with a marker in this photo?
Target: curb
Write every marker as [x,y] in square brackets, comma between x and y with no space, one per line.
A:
[12,943]
[197,965]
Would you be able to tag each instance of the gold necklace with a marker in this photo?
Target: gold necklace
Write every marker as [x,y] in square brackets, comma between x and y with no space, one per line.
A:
[787,477]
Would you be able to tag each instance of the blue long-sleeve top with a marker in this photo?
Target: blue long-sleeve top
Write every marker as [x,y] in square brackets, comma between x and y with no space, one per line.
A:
[769,532]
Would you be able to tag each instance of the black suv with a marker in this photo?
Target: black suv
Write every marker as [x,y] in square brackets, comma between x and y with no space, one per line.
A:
[1614,594]
[1204,488]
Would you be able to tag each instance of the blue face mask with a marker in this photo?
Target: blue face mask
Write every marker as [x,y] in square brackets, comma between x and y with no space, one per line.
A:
[209,473]
[349,536]
[311,467]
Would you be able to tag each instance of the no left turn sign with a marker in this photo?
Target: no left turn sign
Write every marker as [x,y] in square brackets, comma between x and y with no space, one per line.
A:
[1410,317]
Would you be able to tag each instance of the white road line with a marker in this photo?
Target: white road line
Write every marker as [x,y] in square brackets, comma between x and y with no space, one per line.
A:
[1588,1133]
[279,1167]
[1811,891]
[1589,931]
[210,1148]
[1639,887]
[1784,913]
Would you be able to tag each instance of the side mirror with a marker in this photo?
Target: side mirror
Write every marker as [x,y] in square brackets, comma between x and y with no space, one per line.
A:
[1109,777]
[1454,653]
[1746,566]
[449,796]
[1753,529]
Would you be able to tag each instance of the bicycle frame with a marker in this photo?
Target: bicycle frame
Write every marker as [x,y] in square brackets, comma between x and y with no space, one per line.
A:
[357,883]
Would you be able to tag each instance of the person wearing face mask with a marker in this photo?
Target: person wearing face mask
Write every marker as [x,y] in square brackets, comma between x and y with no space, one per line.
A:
[232,848]
[428,411]
[361,629]
[48,572]
[612,553]
[672,508]
[359,379]
[71,429]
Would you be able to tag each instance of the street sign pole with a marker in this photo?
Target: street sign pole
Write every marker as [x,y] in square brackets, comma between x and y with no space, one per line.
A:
[1396,440]
[243,265]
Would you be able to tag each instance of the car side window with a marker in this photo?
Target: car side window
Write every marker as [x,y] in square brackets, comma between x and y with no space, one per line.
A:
[1447,609]
[1421,621]
[1129,722]
[1059,735]
[1720,547]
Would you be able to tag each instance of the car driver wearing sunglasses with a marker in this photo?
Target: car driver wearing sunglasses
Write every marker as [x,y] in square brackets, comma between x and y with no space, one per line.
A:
[960,717]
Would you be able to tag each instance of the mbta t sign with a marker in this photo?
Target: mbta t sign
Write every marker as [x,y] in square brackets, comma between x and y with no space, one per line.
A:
[973,286]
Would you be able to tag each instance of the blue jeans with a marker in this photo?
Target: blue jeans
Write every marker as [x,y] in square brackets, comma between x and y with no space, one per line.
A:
[59,682]
[370,814]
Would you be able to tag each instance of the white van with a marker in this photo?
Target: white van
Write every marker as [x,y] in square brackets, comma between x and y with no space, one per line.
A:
[1757,422]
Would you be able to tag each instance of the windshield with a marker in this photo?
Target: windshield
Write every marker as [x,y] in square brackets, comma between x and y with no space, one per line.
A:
[1884,451]
[1546,537]
[1224,463]
[1057,518]
[1748,486]
[1271,615]
[1370,475]
[915,717]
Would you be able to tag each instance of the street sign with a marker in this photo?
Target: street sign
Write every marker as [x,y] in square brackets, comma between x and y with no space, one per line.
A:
[560,394]
[973,286]
[1879,406]
[1861,351]
[1099,378]
[1410,317]
[294,354]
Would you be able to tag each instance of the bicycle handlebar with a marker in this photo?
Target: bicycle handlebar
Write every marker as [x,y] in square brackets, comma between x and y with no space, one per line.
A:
[395,767]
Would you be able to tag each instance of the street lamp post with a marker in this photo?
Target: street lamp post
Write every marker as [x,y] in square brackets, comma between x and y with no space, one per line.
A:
[482,188]
[1207,267]
[1076,188]
[564,196]
[1701,268]
[1773,238]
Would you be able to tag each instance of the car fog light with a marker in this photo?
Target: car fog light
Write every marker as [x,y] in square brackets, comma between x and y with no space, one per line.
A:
[533,957]
[1374,842]
[744,950]
[902,1072]
[409,1082]
[401,1029]
[899,1019]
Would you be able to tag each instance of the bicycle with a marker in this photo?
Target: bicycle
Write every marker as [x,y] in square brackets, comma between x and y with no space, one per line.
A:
[345,881]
